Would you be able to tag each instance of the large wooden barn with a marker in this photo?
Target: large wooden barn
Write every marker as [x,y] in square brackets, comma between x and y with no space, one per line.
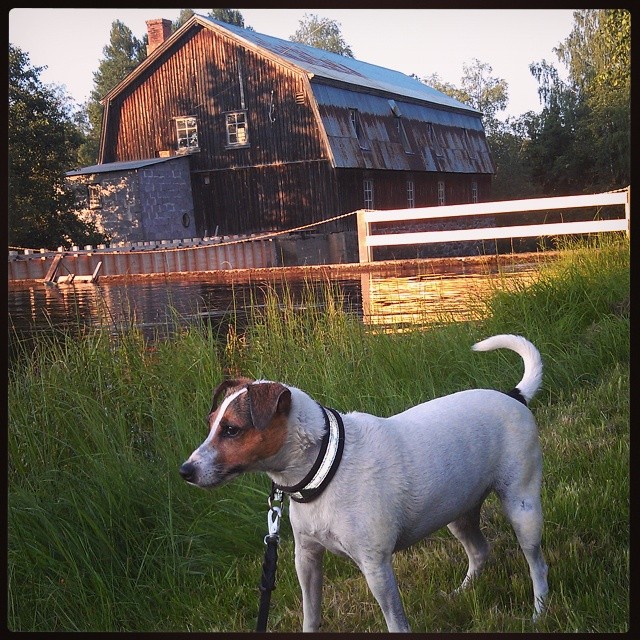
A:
[279,134]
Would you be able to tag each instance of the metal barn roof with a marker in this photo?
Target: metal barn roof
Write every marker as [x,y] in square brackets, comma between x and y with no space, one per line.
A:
[119,166]
[459,145]
[332,66]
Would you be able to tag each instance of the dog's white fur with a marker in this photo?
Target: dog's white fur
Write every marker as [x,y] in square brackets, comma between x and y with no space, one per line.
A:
[402,478]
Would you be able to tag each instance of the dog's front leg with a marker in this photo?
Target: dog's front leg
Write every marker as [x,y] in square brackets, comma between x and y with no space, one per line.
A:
[382,582]
[309,556]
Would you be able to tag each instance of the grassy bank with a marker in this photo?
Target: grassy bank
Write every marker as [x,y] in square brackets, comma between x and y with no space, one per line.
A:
[105,536]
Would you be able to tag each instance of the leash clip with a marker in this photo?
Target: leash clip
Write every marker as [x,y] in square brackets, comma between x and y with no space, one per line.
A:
[273,523]
[274,514]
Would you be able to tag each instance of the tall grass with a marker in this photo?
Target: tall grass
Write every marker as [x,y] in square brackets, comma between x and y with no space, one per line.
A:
[104,536]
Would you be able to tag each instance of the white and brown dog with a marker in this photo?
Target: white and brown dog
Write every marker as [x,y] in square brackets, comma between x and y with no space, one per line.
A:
[365,487]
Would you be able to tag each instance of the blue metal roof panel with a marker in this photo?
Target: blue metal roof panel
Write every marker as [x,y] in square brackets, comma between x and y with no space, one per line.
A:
[439,140]
[333,66]
[119,166]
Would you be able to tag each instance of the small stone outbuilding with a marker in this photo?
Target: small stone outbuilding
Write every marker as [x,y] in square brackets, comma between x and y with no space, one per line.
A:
[138,200]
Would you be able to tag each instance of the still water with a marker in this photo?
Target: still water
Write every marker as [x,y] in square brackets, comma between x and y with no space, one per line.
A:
[157,306]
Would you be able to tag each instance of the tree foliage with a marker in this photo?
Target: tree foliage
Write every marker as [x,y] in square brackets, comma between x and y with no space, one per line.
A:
[121,56]
[580,141]
[43,139]
[322,33]
[230,16]
[582,137]
[479,89]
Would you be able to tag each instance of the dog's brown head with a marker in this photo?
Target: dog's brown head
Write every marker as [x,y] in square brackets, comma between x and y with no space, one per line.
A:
[247,424]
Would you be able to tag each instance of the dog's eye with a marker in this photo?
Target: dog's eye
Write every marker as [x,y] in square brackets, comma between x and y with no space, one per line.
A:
[230,431]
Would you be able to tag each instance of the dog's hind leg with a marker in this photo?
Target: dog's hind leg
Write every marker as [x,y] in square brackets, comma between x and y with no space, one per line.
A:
[467,530]
[525,514]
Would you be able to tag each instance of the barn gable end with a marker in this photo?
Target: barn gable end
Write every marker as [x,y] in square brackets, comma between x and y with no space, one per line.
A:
[278,135]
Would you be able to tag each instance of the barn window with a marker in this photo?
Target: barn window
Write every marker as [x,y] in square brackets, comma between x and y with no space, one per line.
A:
[411,194]
[187,134]
[474,191]
[95,197]
[441,193]
[434,143]
[81,195]
[403,136]
[368,193]
[356,125]
[237,133]
[470,150]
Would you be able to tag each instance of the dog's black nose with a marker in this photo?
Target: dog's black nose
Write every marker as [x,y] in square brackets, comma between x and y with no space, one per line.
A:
[187,471]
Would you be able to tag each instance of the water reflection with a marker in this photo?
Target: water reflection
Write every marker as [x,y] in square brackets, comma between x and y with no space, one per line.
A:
[430,298]
[155,305]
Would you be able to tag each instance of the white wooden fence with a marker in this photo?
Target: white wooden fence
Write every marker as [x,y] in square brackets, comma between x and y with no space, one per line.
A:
[366,219]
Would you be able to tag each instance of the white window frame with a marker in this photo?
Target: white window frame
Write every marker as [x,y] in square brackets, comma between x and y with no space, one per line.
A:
[367,185]
[187,134]
[94,193]
[474,192]
[237,128]
[442,193]
[411,194]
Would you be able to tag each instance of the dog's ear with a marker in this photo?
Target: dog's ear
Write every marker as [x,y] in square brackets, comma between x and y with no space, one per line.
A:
[267,400]
[222,388]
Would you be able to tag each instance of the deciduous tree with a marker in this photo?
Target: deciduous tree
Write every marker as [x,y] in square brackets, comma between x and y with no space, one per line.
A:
[582,139]
[322,33]
[479,89]
[121,56]
[43,140]
[230,16]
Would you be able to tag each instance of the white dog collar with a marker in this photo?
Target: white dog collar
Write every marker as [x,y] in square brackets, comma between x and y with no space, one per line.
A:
[326,464]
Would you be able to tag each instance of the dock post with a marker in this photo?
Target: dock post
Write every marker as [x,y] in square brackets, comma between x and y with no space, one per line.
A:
[364,229]
[51,273]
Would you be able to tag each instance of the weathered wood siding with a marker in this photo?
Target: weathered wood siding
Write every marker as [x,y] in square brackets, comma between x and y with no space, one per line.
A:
[282,177]
[266,198]
[390,188]
[200,77]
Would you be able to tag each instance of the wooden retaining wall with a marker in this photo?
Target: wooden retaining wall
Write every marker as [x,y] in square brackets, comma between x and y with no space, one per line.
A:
[131,260]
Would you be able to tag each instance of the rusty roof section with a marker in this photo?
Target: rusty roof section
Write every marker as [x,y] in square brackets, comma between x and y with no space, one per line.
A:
[319,63]
[403,124]
[420,138]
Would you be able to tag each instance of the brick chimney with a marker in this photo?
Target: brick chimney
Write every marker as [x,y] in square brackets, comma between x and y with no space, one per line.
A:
[158,30]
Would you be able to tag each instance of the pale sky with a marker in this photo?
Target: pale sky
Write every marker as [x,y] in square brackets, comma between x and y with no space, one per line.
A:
[69,42]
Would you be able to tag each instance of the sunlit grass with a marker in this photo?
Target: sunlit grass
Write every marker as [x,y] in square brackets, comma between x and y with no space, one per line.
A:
[104,535]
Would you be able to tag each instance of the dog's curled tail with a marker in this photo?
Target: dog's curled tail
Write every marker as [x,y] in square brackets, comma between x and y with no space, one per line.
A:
[532,377]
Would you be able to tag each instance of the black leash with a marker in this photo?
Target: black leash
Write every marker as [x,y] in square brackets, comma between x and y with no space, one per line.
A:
[269,565]
[306,490]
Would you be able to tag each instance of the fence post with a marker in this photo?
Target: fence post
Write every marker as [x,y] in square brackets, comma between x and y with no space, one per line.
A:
[627,211]
[364,252]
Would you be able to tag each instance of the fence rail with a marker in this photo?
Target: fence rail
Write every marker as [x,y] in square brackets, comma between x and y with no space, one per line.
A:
[366,219]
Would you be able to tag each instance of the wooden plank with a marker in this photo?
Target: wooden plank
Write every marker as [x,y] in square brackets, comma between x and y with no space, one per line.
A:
[363,235]
[94,276]
[503,206]
[562,228]
[51,273]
